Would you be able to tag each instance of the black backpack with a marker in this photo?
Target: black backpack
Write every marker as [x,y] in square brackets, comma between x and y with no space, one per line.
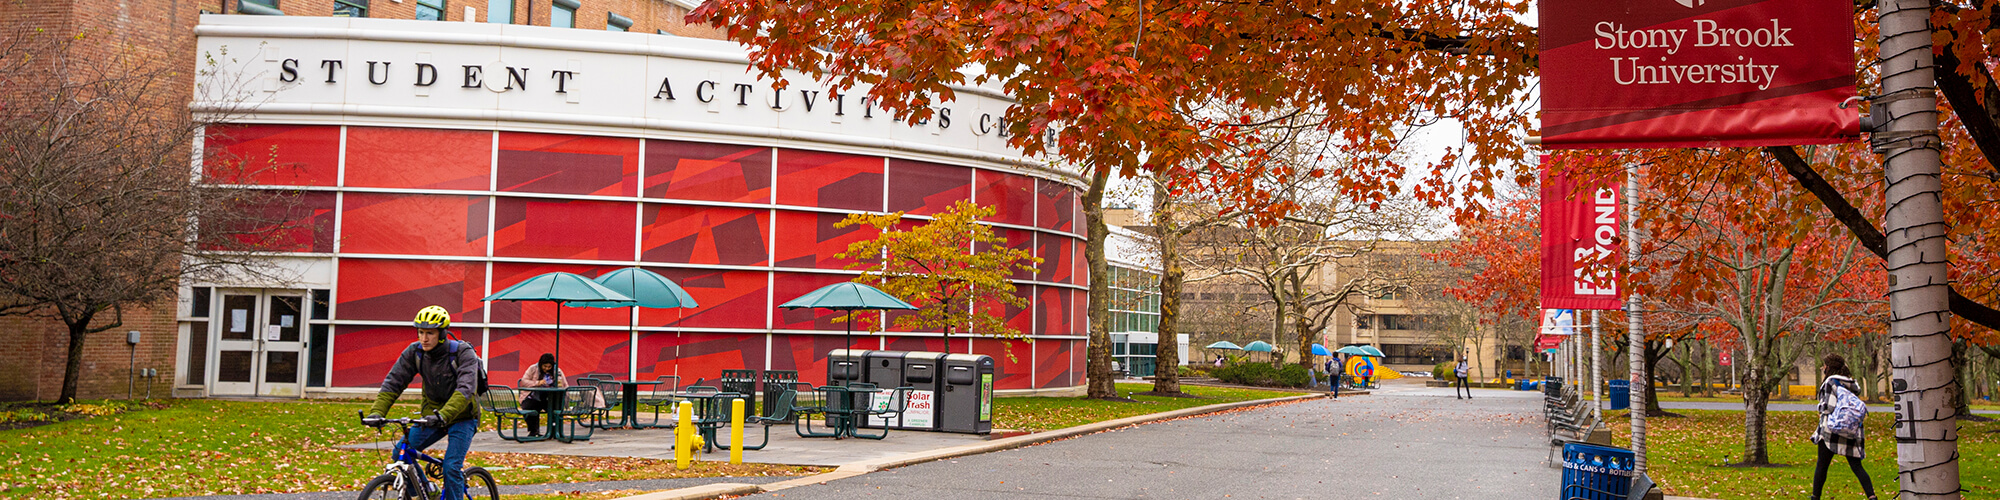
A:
[451,349]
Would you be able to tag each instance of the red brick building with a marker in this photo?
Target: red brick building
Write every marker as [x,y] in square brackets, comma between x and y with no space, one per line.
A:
[481,155]
[33,350]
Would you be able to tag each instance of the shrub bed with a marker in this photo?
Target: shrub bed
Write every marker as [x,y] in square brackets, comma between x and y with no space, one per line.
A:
[1261,375]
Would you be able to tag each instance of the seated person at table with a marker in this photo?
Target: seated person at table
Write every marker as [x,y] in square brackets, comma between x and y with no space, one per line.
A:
[543,374]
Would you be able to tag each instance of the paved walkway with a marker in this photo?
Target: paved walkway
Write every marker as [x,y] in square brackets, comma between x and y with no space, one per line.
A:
[786,447]
[527,489]
[1405,441]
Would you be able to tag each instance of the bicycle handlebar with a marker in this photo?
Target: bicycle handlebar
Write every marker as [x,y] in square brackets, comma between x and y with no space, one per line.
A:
[378,421]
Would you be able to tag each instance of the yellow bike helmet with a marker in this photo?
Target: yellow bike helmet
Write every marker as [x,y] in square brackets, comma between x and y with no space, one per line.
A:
[433,317]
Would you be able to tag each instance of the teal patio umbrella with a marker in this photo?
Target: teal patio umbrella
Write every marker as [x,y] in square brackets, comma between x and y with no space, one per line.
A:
[848,296]
[647,289]
[1259,346]
[1225,345]
[1353,351]
[560,288]
[1372,351]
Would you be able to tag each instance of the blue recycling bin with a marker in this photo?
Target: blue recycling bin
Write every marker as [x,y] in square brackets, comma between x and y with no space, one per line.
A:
[1592,472]
[1620,394]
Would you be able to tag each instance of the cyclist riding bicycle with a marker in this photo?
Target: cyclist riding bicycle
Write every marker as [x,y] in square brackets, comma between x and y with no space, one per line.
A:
[450,386]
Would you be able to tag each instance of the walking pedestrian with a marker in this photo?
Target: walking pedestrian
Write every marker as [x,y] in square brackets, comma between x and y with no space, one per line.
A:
[1837,410]
[1461,372]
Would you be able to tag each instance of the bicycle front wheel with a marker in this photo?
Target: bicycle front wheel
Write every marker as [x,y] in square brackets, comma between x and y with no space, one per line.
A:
[479,485]
[383,487]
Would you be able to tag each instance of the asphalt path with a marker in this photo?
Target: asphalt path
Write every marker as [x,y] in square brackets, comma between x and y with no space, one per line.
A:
[1403,442]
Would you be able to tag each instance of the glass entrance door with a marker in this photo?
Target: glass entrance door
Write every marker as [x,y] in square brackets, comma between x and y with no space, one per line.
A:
[258,343]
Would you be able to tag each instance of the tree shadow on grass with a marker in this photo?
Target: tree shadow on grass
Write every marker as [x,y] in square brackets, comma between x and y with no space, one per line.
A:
[1170,395]
[1754,466]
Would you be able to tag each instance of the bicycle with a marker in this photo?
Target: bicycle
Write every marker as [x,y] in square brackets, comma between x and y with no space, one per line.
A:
[414,475]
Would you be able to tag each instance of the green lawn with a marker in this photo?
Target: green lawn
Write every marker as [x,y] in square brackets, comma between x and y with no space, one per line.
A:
[203,447]
[1688,456]
[1738,400]
[1042,414]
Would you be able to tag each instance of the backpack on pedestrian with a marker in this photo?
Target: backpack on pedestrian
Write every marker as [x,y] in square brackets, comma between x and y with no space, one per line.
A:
[1845,419]
[451,350]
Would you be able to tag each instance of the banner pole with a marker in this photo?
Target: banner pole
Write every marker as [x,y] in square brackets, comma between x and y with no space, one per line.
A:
[1635,337]
[1596,373]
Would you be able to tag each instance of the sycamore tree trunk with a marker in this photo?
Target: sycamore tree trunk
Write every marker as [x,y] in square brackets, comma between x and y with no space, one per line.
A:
[1167,360]
[1097,361]
[1302,324]
[1919,290]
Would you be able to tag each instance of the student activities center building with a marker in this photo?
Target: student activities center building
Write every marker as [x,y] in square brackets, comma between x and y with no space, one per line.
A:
[443,161]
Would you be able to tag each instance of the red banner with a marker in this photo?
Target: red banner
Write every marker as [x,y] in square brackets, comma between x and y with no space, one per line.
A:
[1696,73]
[1580,243]
[1547,342]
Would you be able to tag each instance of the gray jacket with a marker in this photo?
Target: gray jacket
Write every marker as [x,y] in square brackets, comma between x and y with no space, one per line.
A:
[441,380]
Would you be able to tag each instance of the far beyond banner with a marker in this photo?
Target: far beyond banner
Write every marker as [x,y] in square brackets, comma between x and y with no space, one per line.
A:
[1696,73]
[1580,243]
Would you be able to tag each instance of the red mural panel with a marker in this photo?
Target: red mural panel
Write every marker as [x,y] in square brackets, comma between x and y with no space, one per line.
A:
[709,172]
[583,353]
[805,354]
[829,180]
[1013,361]
[1015,317]
[788,286]
[562,229]
[367,352]
[1056,206]
[284,222]
[449,159]
[414,224]
[810,240]
[927,344]
[729,299]
[1080,275]
[1080,312]
[1017,239]
[568,164]
[1055,363]
[273,155]
[694,356]
[1054,249]
[924,188]
[393,290]
[1052,311]
[705,235]
[1012,196]
[506,274]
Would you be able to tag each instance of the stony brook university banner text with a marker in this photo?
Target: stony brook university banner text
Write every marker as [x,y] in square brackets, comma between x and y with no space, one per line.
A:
[1580,242]
[1696,73]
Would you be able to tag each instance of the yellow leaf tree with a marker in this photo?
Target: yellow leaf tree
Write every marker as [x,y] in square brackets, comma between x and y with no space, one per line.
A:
[954,269]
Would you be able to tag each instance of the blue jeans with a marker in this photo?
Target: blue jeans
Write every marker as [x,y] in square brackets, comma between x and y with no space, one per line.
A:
[454,452]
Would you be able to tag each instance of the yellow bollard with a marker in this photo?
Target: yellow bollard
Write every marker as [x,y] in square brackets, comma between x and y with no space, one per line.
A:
[683,432]
[736,431]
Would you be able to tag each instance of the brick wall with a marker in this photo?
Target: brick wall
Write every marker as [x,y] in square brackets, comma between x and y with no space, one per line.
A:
[647,15]
[35,350]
